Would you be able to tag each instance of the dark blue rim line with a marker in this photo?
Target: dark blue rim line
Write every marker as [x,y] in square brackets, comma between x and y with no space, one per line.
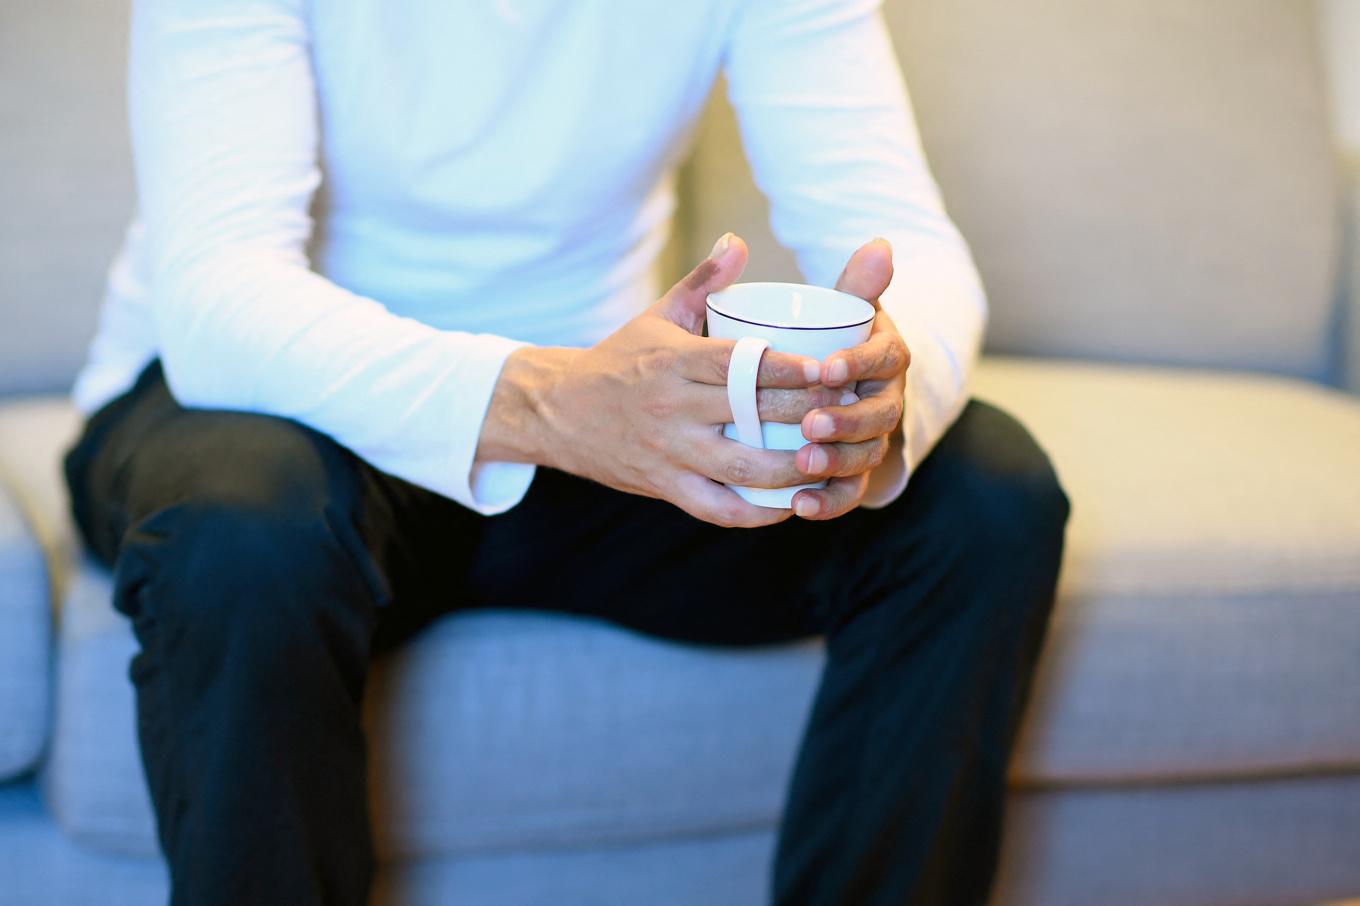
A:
[784,327]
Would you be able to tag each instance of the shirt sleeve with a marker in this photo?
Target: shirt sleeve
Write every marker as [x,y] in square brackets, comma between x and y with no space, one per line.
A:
[225,140]
[831,136]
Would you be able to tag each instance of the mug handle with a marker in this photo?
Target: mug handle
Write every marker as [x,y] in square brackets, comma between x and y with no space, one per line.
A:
[741,389]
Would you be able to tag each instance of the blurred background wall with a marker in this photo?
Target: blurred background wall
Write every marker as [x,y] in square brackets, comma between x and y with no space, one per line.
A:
[1341,19]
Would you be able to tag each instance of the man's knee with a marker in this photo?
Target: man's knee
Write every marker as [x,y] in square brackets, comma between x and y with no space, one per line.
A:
[249,546]
[253,462]
[1002,493]
[1012,479]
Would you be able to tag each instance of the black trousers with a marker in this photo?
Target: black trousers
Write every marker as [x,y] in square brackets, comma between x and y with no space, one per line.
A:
[262,564]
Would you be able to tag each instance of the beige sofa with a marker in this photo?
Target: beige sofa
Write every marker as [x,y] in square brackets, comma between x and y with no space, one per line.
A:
[1167,231]
[1154,198]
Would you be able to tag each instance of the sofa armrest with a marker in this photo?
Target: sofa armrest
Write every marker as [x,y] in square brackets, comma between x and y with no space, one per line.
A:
[37,546]
[25,638]
[35,433]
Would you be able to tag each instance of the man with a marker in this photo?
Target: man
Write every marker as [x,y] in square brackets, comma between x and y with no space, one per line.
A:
[453,387]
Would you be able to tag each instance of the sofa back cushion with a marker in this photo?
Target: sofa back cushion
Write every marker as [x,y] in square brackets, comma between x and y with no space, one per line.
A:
[1147,180]
[1140,179]
[65,181]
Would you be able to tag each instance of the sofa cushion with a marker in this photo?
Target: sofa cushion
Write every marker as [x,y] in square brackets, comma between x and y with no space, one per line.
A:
[36,540]
[66,181]
[25,639]
[492,730]
[40,865]
[1210,604]
[1141,180]
[35,432]
[1209,617]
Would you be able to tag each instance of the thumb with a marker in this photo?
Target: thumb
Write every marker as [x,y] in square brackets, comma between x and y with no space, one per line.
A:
[684,304]
[868,272]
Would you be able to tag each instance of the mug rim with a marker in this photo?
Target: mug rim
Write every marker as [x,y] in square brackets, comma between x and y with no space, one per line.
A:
[708,303]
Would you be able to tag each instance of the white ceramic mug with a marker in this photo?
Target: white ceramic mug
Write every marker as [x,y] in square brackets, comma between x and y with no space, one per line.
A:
[785,317]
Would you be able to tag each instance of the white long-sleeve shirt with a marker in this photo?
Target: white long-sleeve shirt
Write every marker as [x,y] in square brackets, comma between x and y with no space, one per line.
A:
[494,173]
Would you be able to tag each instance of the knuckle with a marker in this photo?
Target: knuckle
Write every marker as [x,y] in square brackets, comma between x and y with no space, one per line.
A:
[719,363]
[737,470]
[654,441]
[661,360]
[659,406]
[770,403]
[879,452]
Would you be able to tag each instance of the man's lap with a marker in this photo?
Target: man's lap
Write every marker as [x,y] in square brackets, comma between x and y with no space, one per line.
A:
[571,545]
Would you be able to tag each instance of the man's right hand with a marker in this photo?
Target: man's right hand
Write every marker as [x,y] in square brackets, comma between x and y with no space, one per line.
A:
[642,410]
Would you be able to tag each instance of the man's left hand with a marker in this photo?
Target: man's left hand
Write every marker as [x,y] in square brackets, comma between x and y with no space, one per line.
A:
[849,441]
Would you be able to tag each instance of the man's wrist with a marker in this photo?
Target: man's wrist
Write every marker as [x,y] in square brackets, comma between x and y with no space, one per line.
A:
[515,429]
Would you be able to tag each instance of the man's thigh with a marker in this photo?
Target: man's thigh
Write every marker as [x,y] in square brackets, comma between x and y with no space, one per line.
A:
[576,546]
[144,455]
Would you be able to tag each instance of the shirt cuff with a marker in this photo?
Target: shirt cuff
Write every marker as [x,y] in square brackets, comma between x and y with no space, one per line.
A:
[488,488]
[495,487]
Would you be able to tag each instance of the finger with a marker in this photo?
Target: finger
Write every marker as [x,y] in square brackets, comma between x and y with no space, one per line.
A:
[868,272]
[706,360]
[871,417]
[684,304]
[881,357]
[711,502]
[840,496]
[817,461]
[785,406]
[730,462]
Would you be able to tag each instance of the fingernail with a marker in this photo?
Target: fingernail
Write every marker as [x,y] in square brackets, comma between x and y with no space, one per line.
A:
[838,371]
[812,370]
[807,507]
[816,460]
[849,398]
[821,426]
[721,246]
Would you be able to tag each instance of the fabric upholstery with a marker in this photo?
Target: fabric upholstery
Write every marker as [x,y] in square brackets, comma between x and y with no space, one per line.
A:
[66,181]
[1193,482]
[34,434]
[1265,843]
[1139,180]
[35,540]
[1207,628]
[41,865]
[1259,843]
[1209,610]
[25,640]
[493,730]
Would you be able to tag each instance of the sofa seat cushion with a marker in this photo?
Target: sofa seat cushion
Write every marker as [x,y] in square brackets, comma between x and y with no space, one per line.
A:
[1209,616]
[492,730]
[25,640]
[1208,624]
